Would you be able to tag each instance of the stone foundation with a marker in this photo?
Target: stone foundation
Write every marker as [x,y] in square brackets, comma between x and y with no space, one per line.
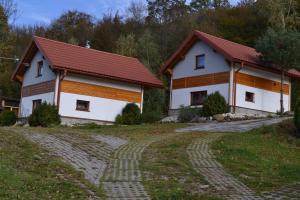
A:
[68,121]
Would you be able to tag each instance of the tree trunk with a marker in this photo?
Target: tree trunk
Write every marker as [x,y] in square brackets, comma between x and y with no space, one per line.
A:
[281,92]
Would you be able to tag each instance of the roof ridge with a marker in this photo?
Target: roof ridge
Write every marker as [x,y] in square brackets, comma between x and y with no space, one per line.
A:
[200,32]
[68,44]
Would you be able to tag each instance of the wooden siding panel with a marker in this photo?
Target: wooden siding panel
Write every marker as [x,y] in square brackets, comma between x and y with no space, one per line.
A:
[100,91]
[40,88]
[203,80]
[261,83]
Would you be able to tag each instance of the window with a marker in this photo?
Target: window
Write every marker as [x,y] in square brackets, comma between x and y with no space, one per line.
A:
[83,105]
[197,98]
[249,97]
[39,68]
[200,61]
[36,103]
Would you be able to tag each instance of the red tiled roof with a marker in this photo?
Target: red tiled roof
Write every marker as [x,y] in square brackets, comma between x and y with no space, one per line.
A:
[232,51]
[82,60]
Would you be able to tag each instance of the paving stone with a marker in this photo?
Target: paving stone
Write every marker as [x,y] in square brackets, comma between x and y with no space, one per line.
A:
[114,142]
[122,179]
[288,192]
[91,167]
[236,126]
[204,163]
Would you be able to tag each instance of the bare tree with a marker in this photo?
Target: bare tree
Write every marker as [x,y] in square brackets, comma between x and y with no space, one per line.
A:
[10,9]
[137,11]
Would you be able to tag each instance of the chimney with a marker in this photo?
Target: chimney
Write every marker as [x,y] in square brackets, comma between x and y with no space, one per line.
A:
[88,45]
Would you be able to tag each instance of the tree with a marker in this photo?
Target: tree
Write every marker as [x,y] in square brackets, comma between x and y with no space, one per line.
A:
[280,49]
[126,45]
[197,5]
[7,88]
[74,25]
[282,14]
[107,32]
[148,52]
[220,4]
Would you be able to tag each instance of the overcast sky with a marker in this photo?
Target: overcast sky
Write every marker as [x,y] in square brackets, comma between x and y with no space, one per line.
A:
[43,11]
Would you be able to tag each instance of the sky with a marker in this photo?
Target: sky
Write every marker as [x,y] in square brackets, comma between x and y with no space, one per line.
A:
[44,11]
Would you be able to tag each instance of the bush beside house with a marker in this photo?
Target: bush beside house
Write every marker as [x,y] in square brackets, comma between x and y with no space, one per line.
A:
[131,114]
[187,114]
[214,104]
[45,115]
[8,118]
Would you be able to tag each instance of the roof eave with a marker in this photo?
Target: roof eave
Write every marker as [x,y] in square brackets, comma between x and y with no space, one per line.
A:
[156,85]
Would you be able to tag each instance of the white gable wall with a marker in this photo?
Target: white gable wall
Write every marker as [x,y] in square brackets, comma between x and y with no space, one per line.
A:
[101,109]
[214,63]
[31,79]
[30,75]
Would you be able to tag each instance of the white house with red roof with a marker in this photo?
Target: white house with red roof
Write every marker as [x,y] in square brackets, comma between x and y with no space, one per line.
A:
[205,64]
[86,85]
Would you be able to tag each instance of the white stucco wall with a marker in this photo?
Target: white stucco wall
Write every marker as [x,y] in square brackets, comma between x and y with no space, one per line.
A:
[30,75]
[264,100]
[214,62]
[26,103]
[100,108]
[183,96]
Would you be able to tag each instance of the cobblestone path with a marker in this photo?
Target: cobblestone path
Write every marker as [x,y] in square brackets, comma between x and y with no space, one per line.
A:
[236,126]
[91,166]
[284,193]
[205,163]
[114,142]
[122,178]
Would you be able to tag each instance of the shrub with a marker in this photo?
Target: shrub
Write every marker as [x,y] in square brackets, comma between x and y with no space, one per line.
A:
[151,116]
[8,118]
[297,116]
[186,114]
[214,104]
[45,115]
[131,114]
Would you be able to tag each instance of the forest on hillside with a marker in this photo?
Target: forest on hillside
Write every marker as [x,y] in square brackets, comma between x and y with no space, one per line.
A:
[150,31]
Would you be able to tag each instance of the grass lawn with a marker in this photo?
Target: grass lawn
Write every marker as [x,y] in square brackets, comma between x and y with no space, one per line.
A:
[264,159]
[27,172]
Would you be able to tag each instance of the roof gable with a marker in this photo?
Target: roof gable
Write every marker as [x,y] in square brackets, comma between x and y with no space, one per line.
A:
[62,56]
[232,51]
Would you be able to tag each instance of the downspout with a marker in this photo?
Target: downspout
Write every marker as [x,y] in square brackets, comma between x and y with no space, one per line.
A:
[142,99]
[61,78]
[235,83]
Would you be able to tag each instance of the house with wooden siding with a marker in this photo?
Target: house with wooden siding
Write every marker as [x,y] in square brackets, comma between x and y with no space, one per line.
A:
[205,64]
[86,85]
[9,104]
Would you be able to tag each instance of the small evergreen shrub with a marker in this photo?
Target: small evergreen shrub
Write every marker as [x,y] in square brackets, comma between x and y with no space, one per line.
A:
[297,116]
[131,114]
[45,115]
[150,116]
[8,118]
[214,104]
[186,114]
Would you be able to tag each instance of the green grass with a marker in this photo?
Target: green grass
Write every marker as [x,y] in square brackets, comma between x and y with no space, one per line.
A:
[27,172]
[263,159]
[168,172]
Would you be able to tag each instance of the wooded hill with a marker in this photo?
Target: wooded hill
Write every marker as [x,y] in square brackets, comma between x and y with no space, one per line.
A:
[150,31]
